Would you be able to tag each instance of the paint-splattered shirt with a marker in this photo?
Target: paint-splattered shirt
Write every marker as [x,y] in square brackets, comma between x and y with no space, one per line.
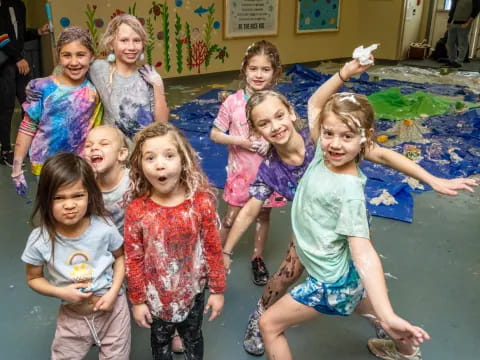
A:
[276,175]
[127,100]
[60,119]
[171,253]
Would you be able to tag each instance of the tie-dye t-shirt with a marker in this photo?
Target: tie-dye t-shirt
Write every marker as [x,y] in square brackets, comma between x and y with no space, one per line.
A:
[276,175]
[127,100]
[60,119]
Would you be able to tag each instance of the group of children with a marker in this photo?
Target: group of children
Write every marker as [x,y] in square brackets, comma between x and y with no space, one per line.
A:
[102,215]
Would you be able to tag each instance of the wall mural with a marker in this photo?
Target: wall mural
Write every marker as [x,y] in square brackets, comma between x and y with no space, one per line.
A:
[190,46]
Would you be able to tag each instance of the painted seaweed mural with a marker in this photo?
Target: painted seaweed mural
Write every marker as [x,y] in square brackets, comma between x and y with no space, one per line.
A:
[91,16]
[194,40]
[179,41]
[161,10]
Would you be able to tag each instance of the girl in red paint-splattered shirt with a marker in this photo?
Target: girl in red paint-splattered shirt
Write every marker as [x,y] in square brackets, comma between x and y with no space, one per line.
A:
[172,245]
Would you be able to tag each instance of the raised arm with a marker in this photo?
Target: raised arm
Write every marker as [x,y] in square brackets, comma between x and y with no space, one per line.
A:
[151,76]
[330,87]
[245,217]
[408,167]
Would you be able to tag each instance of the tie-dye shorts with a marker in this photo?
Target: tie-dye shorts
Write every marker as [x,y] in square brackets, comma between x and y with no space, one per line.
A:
[338,298]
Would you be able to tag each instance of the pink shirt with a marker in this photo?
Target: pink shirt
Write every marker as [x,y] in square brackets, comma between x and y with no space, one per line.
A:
[242,164]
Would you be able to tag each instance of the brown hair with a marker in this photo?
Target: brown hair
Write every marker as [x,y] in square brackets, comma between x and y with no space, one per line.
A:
[266,48]
[112,30]
[260,96]
[64,169]
[191,176]
[75,33]
[355,111]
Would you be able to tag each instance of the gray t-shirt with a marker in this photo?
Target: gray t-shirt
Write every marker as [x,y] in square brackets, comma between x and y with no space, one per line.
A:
[87,258]
[127,100]
[116,200]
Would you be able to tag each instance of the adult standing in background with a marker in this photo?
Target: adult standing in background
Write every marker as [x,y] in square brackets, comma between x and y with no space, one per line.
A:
[460,18]
[14,68]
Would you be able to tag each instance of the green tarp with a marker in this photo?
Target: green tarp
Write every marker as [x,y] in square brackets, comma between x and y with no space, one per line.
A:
[390,104]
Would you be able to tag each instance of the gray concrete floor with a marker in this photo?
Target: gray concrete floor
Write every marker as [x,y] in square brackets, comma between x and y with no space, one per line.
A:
[435,260]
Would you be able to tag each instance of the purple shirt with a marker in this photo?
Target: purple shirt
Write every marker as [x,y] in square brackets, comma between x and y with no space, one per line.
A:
[275,175]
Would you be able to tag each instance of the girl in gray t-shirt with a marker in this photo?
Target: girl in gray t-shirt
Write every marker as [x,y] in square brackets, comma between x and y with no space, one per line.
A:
[132,97]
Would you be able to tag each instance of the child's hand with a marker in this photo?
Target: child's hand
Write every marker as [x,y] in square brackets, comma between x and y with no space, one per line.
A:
[215,302]
[73,293]
[151,76]
[261,147]
[21,186]
[448,186]
[401,330]
[142,316]
[106,302]
[247,145]
[353,67]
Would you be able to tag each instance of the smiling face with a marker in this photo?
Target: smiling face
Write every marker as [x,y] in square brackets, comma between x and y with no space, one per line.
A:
[75,60]
[259,73]
[127,45]
[104,150]
[340,144]
[69,207]
[162,167]
[273,120]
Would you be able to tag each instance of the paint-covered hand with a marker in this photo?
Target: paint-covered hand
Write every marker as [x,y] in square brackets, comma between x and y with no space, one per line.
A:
[401,330]
[246,144]
[151,76]
[106,302]
[215,302]
[141,315]
[21,186]
[449,186]
[73,293]
[353,67]
[261,147]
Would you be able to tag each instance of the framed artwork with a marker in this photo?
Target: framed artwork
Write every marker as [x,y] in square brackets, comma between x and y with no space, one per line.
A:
[317,15]
[247,18]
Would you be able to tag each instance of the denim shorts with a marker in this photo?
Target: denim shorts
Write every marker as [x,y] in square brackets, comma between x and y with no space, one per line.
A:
[338,298]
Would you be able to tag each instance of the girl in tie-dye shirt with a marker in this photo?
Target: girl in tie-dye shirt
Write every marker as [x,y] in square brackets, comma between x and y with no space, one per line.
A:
[64,109]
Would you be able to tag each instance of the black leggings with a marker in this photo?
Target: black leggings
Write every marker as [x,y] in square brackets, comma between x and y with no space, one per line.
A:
[190,330]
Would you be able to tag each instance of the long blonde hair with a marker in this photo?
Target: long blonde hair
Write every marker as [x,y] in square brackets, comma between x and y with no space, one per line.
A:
[191,177]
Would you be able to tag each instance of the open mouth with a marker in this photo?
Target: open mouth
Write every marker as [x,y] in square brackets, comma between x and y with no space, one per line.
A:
[162,178]
[279,134]
[96,159]
[335,155]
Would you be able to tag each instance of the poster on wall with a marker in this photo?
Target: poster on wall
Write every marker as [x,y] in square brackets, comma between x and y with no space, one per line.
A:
[250,18]
[317,15]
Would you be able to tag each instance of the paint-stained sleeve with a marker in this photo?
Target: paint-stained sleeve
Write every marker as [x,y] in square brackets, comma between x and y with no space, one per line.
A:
[134,254]
[211,244]
[223,119]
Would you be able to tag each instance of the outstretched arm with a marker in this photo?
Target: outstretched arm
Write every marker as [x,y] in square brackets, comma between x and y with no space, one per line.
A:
[219,137]
[370,269]
[408,167]
[245,217]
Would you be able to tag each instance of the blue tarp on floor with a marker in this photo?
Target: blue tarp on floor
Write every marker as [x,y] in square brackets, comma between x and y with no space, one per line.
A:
[453,149]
